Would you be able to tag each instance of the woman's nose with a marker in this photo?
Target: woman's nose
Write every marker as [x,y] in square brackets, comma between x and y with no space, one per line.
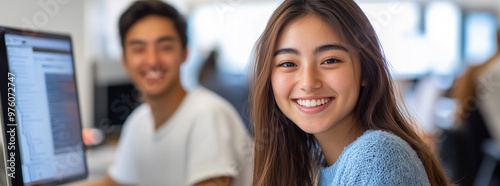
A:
[309,80]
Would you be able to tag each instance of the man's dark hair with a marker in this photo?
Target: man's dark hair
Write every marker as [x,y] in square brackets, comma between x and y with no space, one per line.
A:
[141,9]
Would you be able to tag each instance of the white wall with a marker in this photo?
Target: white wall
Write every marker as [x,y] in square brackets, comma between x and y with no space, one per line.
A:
[61,16]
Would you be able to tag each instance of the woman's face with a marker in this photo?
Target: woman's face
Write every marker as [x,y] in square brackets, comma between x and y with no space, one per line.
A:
[316,76]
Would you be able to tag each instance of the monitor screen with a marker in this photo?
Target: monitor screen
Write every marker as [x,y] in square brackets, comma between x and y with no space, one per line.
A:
[41,118]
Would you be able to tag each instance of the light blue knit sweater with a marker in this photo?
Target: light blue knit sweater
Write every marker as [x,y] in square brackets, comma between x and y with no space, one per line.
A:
[376,158]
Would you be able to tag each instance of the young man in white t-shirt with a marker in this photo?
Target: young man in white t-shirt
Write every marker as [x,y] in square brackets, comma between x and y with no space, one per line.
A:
[174,138]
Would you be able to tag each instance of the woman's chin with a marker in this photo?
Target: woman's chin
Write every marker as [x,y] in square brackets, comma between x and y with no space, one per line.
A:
[313,128]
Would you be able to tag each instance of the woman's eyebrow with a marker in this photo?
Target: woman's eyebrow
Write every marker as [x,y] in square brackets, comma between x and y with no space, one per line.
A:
[286,51]
[316,51]
[330,47]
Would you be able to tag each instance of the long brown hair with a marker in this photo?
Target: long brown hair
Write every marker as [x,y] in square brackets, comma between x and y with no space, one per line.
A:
[286,155]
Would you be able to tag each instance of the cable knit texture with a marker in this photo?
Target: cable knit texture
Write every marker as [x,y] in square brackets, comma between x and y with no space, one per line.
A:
[376,158]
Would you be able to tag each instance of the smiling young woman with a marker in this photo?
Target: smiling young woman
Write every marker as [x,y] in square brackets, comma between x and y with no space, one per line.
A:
[323,104]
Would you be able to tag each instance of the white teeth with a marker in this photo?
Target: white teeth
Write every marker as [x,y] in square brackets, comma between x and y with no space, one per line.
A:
[312,103]
[154,74]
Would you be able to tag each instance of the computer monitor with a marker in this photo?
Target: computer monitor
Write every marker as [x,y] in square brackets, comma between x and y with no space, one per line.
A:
[41,126]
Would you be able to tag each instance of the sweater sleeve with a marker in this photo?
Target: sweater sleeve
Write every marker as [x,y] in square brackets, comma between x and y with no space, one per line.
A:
[383,159]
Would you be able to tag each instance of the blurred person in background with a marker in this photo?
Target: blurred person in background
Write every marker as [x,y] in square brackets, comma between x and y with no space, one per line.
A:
[477,93]
[176,137]
[478,90]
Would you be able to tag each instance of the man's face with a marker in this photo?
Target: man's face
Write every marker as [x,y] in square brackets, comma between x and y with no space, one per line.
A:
[153,53]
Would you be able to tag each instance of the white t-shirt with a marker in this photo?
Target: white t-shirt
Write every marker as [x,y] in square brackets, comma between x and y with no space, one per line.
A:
[205,138]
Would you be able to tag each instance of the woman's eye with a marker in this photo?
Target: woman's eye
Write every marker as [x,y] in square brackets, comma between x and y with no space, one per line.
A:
[287,64]
[330,61]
